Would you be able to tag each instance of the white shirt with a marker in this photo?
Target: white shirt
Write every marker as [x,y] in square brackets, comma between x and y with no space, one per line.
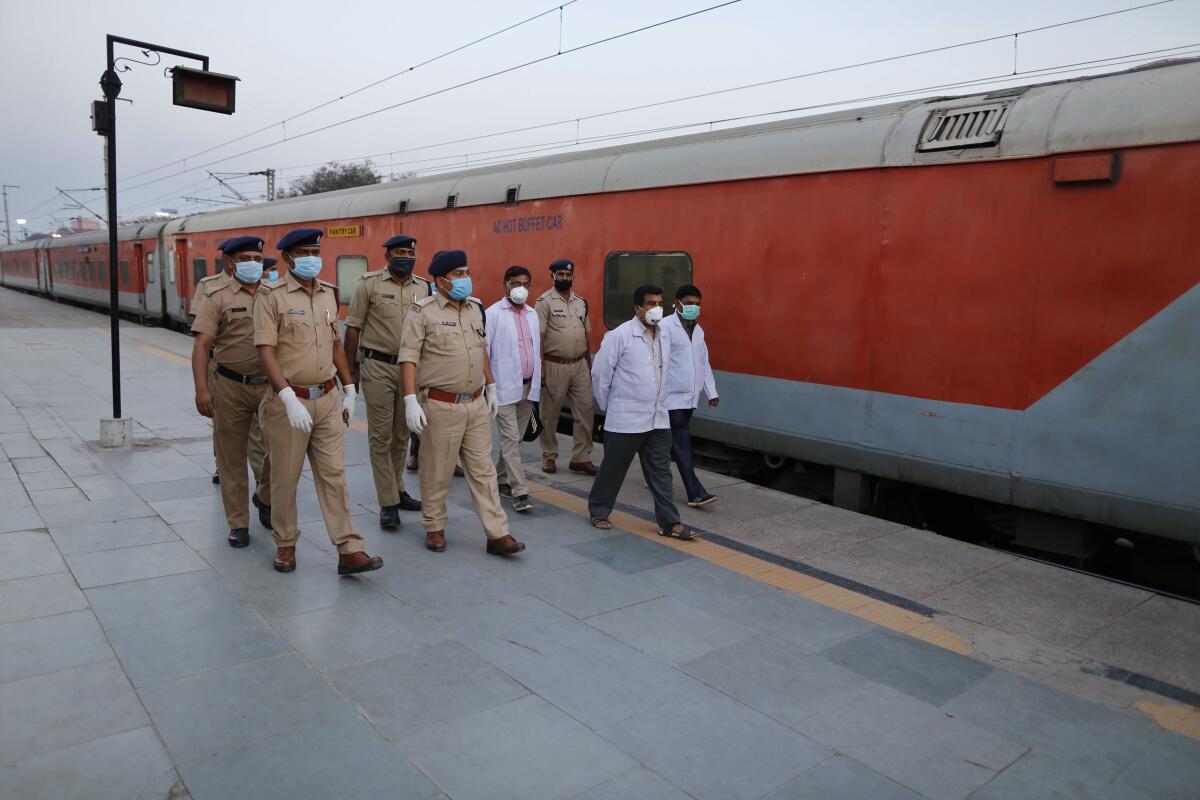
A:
[624,380]
[689,370]
[504,352]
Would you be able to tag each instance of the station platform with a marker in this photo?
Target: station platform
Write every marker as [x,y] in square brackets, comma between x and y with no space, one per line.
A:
[795,651]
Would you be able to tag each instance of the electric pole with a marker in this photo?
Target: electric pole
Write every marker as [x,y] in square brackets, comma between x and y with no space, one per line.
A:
[7,229]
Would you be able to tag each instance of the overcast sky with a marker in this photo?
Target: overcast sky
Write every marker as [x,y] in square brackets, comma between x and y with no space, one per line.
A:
[293,55]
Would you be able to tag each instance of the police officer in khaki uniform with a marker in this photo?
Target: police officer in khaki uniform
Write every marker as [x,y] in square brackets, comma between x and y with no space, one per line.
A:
[373,326]
[566,371]
[295,329]
[232,381]
[256,450]
[444,370]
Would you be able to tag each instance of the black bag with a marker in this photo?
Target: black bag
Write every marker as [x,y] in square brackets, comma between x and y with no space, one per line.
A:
[534,429]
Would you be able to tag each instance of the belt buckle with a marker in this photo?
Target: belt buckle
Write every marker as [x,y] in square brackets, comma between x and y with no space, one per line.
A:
[464,398]
[315,392]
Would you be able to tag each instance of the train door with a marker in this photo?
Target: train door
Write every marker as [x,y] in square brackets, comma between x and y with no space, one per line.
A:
[183,286]
[43,270]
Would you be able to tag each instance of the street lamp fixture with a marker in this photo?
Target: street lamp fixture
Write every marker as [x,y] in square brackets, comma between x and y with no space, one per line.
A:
[194,88]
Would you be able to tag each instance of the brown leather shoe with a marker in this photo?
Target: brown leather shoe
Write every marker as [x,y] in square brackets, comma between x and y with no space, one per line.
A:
[435,541]
[352,563]
[586,467]
[412,464]
[548,466]
[504,546]
[285,559]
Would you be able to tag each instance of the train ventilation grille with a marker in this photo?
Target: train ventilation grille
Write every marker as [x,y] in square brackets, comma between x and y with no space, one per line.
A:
[403,207]
[451,200]
[973,126]
[510,196]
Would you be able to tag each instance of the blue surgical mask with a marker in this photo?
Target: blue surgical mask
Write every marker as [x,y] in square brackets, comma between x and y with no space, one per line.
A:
[690,313]
[307,267]
[273,275]
[460,288]
[248,271]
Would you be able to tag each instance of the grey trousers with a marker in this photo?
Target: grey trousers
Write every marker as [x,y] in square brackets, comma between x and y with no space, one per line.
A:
[653,449]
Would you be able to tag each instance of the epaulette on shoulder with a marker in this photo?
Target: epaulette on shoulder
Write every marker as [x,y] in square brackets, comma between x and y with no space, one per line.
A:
[266,286]
[545,294]
[212,277]
[422,302]
[209,286]
[327,284]
[372,274]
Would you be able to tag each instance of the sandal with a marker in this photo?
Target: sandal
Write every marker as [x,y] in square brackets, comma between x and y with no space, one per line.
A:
[684,534]
[601,523]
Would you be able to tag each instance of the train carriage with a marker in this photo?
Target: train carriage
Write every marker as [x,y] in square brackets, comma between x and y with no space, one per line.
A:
[996,295]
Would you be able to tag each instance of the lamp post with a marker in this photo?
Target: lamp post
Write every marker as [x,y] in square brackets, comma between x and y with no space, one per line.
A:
[24,231]
[192,88]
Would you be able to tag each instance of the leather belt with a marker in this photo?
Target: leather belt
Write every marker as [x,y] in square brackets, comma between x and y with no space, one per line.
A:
[239,377]
[379,355]
[557,360]
[313,392]
[451,397]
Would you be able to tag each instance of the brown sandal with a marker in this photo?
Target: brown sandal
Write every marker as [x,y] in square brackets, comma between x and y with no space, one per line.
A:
[601,523]
[684,533]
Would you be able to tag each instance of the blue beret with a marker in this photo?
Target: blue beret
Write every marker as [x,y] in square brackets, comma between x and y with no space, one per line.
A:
[301,237]
[270,262]
[239,244]
[399,241]
[562,263]
[445,261]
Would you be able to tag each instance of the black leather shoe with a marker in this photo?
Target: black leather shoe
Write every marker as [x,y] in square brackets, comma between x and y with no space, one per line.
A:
[264,511]
[216,478]
[389,517]
[408,503]
[239,537]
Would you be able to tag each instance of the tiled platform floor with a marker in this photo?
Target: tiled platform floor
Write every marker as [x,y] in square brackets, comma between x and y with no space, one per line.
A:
[141,657]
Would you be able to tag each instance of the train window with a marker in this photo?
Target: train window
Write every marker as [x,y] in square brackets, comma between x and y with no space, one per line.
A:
[124,271]
[150,277]
[199,270]
[349,270]
[624,272]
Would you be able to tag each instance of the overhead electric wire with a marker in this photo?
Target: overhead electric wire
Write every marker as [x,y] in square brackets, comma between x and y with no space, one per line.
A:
[644,106]
[444,90]
[559,7]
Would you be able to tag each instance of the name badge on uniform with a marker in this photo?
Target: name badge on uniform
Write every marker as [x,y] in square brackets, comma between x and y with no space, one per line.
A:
[451,324]
[558,312]
[239,308]
[295,310]
[388,296]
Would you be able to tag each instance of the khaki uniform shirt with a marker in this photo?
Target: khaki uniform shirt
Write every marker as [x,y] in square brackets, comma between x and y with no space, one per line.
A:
[379,306]
[564,324]
[302,329]
[225,311]
[447,344]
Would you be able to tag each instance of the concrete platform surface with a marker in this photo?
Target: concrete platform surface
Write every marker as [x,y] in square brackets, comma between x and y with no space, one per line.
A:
[141,657]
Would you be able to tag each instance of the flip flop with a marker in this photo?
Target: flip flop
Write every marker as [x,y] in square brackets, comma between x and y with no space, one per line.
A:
[601,523]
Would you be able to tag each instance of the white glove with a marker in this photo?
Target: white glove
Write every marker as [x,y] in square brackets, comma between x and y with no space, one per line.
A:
[414,415]
[298,415]
[349,393]
[490,393]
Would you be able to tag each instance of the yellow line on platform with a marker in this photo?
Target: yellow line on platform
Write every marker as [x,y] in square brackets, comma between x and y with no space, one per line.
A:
[168,355]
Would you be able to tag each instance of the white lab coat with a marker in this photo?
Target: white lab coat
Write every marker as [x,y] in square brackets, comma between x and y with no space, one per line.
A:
[689,371]
[504,352]
[623,380]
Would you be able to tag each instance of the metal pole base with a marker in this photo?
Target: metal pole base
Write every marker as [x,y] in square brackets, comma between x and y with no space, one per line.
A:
[116,432]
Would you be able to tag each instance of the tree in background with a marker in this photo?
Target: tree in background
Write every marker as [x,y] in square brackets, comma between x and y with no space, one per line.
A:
[334,176]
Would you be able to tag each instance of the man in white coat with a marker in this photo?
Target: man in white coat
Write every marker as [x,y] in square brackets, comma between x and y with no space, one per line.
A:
[687,375]
[514,350]
[630,383]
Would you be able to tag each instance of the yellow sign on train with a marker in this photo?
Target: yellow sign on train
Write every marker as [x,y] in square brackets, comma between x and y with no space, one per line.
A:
[343,231]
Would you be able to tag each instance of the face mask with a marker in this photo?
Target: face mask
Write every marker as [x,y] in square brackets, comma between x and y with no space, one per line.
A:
[248,271]
[460,288]
[690,313]
[273,275]
[653,315]
[307,267]
[402,266]
[518,294]
[564,286]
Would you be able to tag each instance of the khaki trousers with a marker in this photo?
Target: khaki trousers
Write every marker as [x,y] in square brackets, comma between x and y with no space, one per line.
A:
[238,413]
[325,447]
[387,431]
[511,421]
[459,431]
[256,450]
[562,383]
